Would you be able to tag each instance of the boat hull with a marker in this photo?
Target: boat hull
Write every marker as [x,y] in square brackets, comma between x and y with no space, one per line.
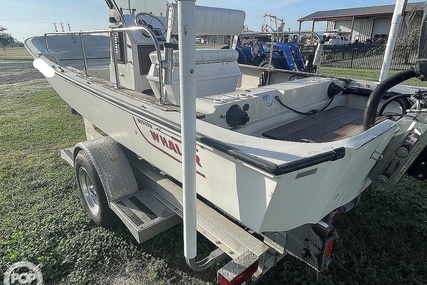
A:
[259,199]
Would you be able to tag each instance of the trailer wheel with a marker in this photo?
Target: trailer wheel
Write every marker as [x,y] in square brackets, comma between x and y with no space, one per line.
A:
[92,191]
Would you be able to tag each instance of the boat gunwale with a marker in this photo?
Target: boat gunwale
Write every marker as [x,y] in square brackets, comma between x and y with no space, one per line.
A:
[331,153]
[258,162]
[273,168]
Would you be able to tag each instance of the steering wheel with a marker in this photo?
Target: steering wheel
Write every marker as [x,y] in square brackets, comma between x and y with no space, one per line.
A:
[147,22]
[374,99]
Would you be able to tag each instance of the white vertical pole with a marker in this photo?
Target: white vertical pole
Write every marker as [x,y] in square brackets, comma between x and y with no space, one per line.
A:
[318,55]
[187,88]
[394,29]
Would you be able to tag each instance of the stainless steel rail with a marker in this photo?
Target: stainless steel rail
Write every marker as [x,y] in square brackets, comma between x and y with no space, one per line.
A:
[110,32]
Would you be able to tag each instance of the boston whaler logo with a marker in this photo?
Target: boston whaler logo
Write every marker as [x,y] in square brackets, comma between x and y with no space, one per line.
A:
[164,142]
[23,273]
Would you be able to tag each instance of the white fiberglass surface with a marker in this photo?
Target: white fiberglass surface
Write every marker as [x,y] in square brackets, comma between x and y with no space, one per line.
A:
[157,7]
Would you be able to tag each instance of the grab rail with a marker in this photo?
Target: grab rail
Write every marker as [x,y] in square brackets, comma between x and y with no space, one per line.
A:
[110,32]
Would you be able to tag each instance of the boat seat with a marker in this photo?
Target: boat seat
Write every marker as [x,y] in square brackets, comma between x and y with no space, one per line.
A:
[217,71]
[210,21]
[203,56]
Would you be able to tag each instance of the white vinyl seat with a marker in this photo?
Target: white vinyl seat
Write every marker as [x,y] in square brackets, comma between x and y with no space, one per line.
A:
[217,70]
[203,56]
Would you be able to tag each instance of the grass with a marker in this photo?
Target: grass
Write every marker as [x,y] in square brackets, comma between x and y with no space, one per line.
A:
[14,54]
[43,221]
[370,74]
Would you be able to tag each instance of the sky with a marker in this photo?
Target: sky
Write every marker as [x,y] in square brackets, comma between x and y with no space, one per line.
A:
[26,18]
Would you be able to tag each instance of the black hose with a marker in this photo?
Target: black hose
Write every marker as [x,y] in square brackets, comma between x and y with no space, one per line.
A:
[378,93]
[292,109]
[311,112]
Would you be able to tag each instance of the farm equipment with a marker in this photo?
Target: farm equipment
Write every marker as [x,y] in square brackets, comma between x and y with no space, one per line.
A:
[285,56]
[255,48]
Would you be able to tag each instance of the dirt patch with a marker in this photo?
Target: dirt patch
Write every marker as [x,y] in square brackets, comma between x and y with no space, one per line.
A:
[14,72]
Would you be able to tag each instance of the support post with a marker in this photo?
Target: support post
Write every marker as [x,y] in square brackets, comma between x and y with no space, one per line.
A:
[394,29]
[187,87]
[352,29]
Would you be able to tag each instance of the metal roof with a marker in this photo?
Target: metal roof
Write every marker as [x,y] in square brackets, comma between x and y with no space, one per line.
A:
[359,12]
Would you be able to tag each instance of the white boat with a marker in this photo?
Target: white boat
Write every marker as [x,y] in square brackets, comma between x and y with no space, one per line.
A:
[275,150]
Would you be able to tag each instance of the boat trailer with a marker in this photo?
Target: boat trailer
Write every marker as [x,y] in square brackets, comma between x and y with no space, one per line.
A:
[156,204]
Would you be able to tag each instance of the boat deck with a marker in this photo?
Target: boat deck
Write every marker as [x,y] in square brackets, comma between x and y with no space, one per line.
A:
[331,125]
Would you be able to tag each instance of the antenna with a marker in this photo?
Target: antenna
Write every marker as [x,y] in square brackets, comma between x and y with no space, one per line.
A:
[56,28]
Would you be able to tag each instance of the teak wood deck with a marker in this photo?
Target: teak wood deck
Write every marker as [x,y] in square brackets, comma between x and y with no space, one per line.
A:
[331,125]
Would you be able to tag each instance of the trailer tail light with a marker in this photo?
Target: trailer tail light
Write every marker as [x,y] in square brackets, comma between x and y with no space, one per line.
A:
[329,247]
[336,216]
[239,270]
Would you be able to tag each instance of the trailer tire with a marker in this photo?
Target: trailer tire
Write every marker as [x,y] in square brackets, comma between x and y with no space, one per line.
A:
[92,191]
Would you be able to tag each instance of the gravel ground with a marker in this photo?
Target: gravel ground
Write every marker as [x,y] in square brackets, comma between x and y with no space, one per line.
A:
[14,72]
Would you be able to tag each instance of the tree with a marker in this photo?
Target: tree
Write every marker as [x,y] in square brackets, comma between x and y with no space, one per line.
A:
[5,38]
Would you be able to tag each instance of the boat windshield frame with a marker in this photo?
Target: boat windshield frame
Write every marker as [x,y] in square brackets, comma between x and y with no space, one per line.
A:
[110,31]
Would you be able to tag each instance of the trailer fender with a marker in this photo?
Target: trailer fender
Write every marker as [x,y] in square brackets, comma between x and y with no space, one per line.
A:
[111,165]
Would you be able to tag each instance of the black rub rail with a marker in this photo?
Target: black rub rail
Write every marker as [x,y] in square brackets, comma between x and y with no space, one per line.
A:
[270,167]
